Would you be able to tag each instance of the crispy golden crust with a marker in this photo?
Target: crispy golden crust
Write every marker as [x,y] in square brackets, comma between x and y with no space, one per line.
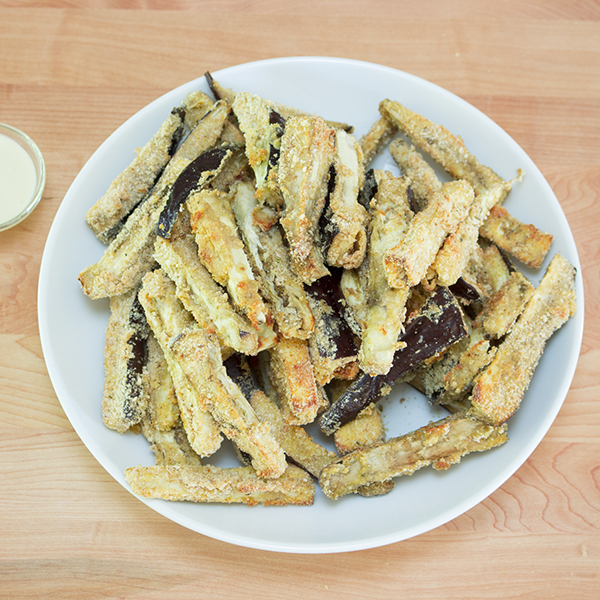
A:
[293,377]
[202,296]
[136,181]
[502,309]
[213,484]
[263,137]
[525,242]
[271,264]
[294,440]
[390,218]
[124,399]
[495,266]
[130,254]
[423,180]
[440,444]
[222,252]
[196,104]
[445,148]
[163,410]
[365,430]
[169,320]
[347,218]
[408,261]
[499,389]
[458,247]
[170,447]
[379,134]
[307,152]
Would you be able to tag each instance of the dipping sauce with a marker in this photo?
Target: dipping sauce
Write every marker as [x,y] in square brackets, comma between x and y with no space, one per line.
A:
[18,179]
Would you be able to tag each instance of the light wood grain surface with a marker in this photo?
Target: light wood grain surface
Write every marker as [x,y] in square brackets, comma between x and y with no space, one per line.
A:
[70,73]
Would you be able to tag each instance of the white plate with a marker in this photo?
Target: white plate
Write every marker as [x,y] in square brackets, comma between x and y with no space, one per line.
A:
[72,326]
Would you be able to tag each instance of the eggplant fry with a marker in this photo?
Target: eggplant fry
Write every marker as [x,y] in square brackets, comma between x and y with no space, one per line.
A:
[136,181]
[197,104]
[444,147]
[379,135]
[439,444]
[364,431]
[294,440]
[354,306]
[332,347]
[438,325]
[307,152]
[202,296]
[262,128]
[499,389]
[169,320]
[525,242]
[423,180]
[222,252]
[130,254]
[170,447]
[124,399]
[409,260]
[271,264]
[390,219]
[208,483]
[346,218]
[293,377]
[163,410]
[496,266]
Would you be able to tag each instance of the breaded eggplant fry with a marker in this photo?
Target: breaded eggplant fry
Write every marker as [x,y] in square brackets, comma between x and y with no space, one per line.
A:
[525,242]
[332,346]
[294,440]
[378,136]
[271,264]
[499,389]
[496,266]
[307,152]
[409,260]
[130,254]
[423,180]
[502,309]
[439,444]
[169,320]
[262,128]
[196,105]
[438,324]
[124,399]
[354,308]
[170,447]
[364,431]
[196,176]
[222,252]
[135,182]
[444,147]
[346,218]
[458,247]
[208,483]
[312,267]
[390,218]
[202,296]
[293,377]
[163,410]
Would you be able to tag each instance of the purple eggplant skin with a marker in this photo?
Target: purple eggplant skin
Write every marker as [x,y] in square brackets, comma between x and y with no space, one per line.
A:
[211,85]
[137,361]
[241,374]
[369,189]
[186,183]
[331,323]
[438,325]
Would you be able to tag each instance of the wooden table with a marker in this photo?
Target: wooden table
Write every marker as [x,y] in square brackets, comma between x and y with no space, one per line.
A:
[70,76]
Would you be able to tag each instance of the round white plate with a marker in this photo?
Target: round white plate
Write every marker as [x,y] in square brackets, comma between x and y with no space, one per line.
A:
[72,326]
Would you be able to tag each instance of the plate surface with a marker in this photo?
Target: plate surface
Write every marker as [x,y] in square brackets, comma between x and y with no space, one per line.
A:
[72,326]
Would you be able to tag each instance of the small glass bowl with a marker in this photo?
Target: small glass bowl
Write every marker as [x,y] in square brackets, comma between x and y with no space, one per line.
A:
[40,172]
